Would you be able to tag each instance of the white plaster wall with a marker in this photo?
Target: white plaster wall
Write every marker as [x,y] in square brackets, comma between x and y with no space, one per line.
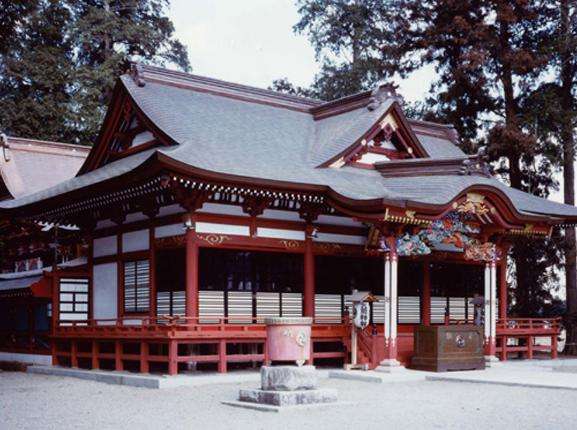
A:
[105,291]
[170,210]
[215,208]
[135,241]
[276,233]
[338,220]
[105,246]
[340,238]
[133,217]
[169,230]
[104,223]
[207,227]
[282,215]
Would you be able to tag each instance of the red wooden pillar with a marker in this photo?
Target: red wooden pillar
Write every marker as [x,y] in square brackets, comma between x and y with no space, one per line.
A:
[73,353]
[222,367]
[118,364]
[144,351]
[554,345]
[503,299]
[426,294]
[191,274]
[309,281]
[55,302]
[95,352]
[152,296]
[172,357]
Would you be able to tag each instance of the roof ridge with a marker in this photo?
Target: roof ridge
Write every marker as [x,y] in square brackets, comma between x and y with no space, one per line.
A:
[161,73]
[49,143]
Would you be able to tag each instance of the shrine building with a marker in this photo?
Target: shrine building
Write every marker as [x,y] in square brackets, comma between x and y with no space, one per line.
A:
[27,255]
[207,206]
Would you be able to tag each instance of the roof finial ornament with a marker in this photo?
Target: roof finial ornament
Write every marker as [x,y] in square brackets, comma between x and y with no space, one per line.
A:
[383,91]
[478,165]
[5,146]
[137,74]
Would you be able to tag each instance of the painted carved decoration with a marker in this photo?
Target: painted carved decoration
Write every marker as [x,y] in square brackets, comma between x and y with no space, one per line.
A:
[328,248]
[289,244]
[170,242]
[214,239]
[482,251]
[474,204]
[412,244]
[300,337]
[448,231]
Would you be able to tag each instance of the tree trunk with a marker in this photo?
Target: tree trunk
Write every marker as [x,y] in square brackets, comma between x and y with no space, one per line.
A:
[567,140]
[523,282]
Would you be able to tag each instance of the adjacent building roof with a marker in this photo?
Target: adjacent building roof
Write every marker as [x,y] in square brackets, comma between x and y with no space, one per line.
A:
[259,135]
[28,166]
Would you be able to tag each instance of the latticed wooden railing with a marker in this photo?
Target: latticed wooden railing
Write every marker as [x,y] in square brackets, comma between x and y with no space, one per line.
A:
[171,340]
[523,332]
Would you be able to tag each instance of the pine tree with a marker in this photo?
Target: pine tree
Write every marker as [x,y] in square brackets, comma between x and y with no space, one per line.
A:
[348,37]
[60,59]
[36,72]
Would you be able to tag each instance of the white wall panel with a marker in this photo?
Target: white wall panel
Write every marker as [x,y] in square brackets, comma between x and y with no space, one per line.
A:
[338,220]
[280,234]
[340,238]
[207,227]
[170,210]
[169,230]
[282,215]
[215,208]
[105,246]
[133,217]
[135,241]
[105,291]
[105,223]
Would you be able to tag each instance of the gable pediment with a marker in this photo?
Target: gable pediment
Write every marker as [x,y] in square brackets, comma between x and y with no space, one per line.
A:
[125,131]
[390,138]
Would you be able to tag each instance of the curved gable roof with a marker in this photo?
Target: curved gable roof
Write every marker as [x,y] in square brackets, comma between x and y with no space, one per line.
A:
[28,166]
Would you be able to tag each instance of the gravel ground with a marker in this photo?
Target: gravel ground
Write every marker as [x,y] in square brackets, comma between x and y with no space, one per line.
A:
[30,401]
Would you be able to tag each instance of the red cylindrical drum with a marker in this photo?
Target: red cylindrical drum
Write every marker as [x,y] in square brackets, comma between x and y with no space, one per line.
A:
[288,338]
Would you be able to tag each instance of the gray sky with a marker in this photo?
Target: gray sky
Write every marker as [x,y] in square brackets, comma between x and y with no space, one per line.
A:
[251,42]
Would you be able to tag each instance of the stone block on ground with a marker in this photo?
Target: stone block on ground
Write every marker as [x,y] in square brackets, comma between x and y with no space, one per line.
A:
[289,398]
[288,378]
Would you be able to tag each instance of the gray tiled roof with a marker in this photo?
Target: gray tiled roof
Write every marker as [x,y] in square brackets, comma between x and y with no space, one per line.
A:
[255,140]
[437,147]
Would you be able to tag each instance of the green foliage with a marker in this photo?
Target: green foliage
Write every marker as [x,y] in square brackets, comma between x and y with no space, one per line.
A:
[61,58]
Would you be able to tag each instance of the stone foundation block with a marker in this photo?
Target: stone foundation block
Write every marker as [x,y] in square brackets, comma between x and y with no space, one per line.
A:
[288,378]
[288,398]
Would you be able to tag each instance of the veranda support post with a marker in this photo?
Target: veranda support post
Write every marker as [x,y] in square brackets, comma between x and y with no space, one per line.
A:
[309,275]
[490,324]
[191,309]
[390,362]
[426,294]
